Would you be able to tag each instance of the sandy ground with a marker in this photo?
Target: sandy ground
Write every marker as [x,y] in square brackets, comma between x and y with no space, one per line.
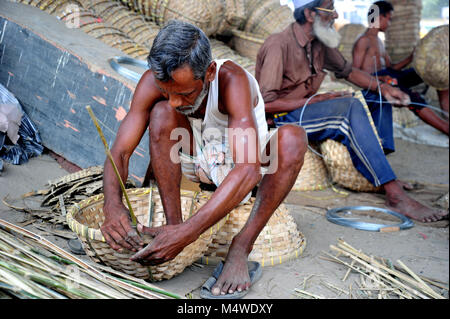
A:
[423,248]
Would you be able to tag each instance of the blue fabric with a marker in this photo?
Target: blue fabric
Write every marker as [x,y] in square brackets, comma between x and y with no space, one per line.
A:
[346,121]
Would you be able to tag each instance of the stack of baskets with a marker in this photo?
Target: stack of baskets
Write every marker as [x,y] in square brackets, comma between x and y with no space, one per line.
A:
[86,217]
[71,11]
[206,14]
[431,58]
[278,242]
[350,33]
[404,33]
[264,18]
[132,24]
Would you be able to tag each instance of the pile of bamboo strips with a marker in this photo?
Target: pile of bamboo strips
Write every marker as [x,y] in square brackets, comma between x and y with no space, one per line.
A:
[33,268]
[379,278]
[64,192]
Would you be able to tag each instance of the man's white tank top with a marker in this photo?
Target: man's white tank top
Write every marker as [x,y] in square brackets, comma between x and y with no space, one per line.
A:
[216,120]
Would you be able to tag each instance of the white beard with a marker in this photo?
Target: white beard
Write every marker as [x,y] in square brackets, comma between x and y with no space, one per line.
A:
[326,34]
[191,109]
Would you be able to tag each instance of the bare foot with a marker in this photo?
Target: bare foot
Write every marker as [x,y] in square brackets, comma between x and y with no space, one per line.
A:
[234,275]
[415,210]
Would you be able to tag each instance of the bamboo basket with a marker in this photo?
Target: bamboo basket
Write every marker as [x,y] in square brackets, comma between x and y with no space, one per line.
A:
[220,50]
[86,217]
[247,44]
[279,241]
[431,58]
[92,24]
[132,24]
[350,33]
[267,18]
[313,175]
[341,169]
[235,16]
[404,32]
[205,14]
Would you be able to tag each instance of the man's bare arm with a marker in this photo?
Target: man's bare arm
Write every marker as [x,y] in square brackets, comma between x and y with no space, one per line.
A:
[359,52]
[117,225]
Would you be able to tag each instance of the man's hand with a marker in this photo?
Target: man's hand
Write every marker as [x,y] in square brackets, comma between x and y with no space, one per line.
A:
[117,229]
[329,96]
[168,242]
[394,96]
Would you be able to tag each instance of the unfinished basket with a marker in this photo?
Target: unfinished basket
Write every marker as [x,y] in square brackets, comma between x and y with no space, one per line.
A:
[431,58]
[247,44]
[313,175]
[341,169]
[278,242]
[86,217]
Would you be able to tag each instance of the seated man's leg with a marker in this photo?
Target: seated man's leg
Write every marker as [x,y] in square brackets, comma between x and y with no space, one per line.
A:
[164,160]
[274,187]
[346,121]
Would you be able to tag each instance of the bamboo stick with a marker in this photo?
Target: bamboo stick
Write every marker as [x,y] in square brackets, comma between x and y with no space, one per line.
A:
[108,154]
[346,246]
[377,270]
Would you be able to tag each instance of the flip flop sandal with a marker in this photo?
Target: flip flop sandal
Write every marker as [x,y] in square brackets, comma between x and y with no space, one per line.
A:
[254,270]
[76,247]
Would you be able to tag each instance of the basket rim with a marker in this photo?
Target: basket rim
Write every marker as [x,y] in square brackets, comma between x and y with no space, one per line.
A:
[86,232]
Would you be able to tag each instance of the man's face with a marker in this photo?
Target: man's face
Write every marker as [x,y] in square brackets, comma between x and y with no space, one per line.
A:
[323,26]
[184,92]
[385,21]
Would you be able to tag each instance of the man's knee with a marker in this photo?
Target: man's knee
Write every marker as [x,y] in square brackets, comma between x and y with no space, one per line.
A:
[293,141]
[162,120]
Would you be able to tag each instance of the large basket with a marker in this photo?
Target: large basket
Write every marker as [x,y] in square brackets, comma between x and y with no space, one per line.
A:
[86,217]
[207,15]
[247,44]
[349,34]
[341,168]
[313,175]
[431,58]
[268,17]
[278,242]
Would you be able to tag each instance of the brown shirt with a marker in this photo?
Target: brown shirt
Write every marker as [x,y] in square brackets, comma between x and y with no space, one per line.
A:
[284,64]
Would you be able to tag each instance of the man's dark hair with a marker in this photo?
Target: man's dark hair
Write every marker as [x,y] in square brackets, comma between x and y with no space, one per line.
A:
[384,7]
[299,13]
[177,44]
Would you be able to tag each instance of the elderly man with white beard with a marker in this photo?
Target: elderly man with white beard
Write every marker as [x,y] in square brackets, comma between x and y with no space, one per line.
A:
[290,69]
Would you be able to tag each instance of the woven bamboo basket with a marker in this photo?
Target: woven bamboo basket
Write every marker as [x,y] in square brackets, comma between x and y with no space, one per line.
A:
[404,32]
[86,217]
[221,51]
[431,58]
[247,44]
[268,17]
[350,33]
[341,169]
[206,14]
[313,175]
[278,242]
[119,16]
[235,16]
[90,23]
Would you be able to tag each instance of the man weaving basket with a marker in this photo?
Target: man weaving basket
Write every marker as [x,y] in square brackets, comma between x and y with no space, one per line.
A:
[289,69]
[206,120]
[370,56]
